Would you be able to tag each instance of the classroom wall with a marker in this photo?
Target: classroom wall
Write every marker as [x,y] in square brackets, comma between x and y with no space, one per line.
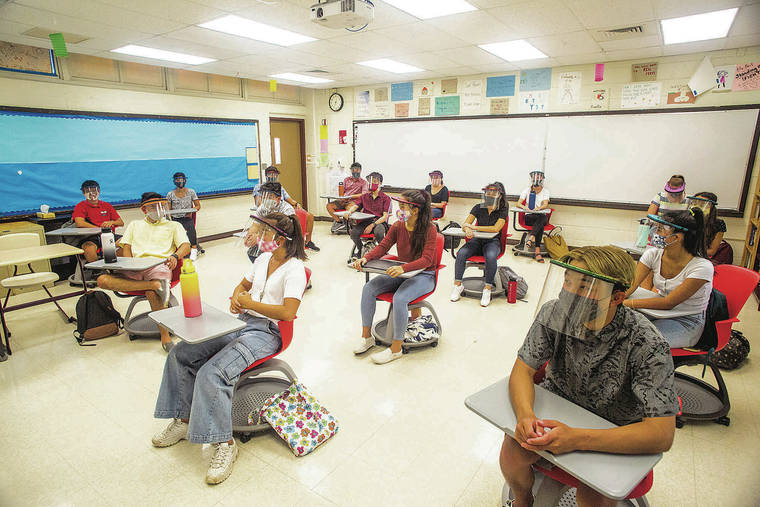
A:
[581,225]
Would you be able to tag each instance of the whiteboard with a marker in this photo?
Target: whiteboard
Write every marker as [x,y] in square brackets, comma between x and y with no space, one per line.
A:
[615,158]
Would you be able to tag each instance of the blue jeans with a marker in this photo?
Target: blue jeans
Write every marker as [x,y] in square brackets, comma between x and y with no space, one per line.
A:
[404,291]
[681,331]
[488,248]
[199,378]
[437,212]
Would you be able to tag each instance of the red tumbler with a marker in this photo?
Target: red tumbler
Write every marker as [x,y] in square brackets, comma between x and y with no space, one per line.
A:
[512,291]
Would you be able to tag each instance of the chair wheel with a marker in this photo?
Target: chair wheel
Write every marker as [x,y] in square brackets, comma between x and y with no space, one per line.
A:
[679,422]
[132,337]
[72,319]
[245,437]
[434,344]
[378,343]
[404,350]
[516,253]
[725,420]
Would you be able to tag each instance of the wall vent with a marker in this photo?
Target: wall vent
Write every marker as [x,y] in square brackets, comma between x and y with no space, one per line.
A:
[626,32]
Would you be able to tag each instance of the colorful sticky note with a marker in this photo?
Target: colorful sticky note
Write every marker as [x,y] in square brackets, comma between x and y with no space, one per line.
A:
[401,91]
[272,85]
[59,45]
[599,72]
[500,86]
[445,106]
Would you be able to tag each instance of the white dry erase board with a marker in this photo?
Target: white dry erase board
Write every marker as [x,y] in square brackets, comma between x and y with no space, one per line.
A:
[618,159]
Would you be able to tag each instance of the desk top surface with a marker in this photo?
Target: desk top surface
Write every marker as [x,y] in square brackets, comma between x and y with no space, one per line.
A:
[333,196]
[210,324]
[459,233]
[74,231]
[37,253]
[379,266]
[126,263]
[356,215]
[539,211]
[181,211]
[630,246]
[615,475]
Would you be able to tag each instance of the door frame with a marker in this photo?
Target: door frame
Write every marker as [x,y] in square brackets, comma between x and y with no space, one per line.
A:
[302,129]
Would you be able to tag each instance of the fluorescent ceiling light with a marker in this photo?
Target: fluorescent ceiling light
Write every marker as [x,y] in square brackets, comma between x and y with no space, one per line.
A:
[391,66]
[243,27]
[710,25]
[513,51]
[160,54]
[426,9]
[290,76]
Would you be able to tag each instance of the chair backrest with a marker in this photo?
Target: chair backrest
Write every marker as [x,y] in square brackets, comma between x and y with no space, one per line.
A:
[176,272]
[439,248]
[19,240]
[286,330]
[302,215]
[503,237]
[736,283]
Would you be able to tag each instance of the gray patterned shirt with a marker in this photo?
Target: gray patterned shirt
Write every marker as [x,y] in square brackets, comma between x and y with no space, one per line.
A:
[623,374]
[185,202]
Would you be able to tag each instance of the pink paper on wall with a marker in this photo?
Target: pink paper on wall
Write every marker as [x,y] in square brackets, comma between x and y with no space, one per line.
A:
[323,145]
[747,77]
[599,72]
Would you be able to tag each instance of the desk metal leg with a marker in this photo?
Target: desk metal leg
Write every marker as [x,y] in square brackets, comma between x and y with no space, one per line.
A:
[6,331]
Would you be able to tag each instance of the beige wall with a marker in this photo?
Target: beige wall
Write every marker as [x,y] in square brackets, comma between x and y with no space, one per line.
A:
[581,225]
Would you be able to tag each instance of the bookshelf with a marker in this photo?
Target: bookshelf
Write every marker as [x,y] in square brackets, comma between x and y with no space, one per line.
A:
[750,259]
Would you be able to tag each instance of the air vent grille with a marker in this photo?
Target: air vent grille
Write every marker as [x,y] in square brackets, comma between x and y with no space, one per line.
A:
[626,32]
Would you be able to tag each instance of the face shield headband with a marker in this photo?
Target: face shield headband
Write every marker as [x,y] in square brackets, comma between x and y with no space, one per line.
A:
[703,203]
[537,178]
[491,197]
[660,230]
[155,208]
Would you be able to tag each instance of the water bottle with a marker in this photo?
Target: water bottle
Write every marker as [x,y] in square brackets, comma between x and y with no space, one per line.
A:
[341,190]
[108,244]
[191,294]
[643,233]
[512,291]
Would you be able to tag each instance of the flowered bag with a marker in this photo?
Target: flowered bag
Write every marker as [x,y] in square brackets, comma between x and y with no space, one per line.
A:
[422,329]
[300,420]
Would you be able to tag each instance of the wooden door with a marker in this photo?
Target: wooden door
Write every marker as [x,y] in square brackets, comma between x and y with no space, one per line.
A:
[288,143]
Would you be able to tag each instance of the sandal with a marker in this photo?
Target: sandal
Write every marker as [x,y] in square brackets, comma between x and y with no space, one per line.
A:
[529,244]
[539,258]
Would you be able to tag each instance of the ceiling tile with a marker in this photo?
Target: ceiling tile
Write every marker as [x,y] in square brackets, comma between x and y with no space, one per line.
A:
[495,68]
[747,21]
[632,43]
[632,54]
[12,27]
[487,4]
[430,61]
[566,44]
[537,64]
[604,13]
[387,16]
[538,18]
[333,50]
[469,55]
[303,58]
[184,11]
[742,41]
[228,5]
[374,44]
[693,47]
[598,57]
[477,27]
[421,36]
[288,16]
[222,40]
[192,48]
[665,9]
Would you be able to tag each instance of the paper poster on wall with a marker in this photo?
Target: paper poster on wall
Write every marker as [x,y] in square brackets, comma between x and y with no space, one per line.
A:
[472,95]
[449,86]
[724,78]
[644,72]
[747,77]
[499,106]
[402,110]
[500,86]
[423,106]
[381,94]
[570,88]
[447,106]
[600,99]
[424,88]
[362,103]
[704,78]
[680,95]
[535,79]
[638,95]
[534,102]
[381,110]
[401,91]
[598,72]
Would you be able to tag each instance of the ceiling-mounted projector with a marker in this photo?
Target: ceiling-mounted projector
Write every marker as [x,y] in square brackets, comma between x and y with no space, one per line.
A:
[343,13]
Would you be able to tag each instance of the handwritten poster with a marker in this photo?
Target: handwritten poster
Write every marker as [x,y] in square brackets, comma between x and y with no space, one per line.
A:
[381,94]
[402,110]
[449,86]
[535,79]
[703,79]
[570,88]
[382,110]
[534,102]
[424,88]
[644,72]
[724,78]
[362,103]
[401,91]
[680,95]
[600,99]
[472,95]
[638,95]
[447,106]
[747,77]
[499,106]
[423,106]
[500,86]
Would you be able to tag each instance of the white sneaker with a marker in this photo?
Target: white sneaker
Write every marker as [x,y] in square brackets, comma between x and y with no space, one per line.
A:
[363,345]
[176,431]
[386,356]
[485,299]
[456,292]
[221,462]
[193,254]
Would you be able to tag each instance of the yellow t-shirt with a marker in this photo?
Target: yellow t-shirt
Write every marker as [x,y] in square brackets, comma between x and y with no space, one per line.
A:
[159,239]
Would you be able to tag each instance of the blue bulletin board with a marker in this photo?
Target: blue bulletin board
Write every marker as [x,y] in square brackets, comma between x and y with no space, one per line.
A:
[45,156]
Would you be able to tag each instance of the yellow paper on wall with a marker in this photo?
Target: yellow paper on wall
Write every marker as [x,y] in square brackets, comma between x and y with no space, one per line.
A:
[272,85]
[323,131]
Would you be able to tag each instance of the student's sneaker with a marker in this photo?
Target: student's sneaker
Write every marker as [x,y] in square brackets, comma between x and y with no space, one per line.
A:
[386,356]
[363,345]
[176,431]
[485,299]
[456,292]
[194,254]
[164,292]
[311,246]
[221,463]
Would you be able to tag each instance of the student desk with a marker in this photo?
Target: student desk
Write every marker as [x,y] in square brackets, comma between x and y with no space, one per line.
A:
[126,263]
[356,215]
[631,248]
[333,197]
[641,293]
[181,211]
[210,324]
[458,232]
[75,232]
[38,253]
[380,266]
[613,475]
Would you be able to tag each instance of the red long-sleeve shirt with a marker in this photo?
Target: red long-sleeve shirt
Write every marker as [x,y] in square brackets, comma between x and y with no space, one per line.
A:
[399,236]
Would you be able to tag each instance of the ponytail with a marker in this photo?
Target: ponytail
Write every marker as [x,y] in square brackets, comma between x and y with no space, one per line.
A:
[693,220]
[291,226]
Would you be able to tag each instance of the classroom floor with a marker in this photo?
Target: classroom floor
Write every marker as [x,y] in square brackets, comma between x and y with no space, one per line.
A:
[76,422]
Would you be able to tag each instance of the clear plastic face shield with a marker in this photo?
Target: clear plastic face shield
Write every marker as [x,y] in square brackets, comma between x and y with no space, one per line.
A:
[491,197]
[374,183]
[155,210]
[265,236]
[537,179]
[661,231]
[271,176]
[703,203]
[406,209]
[180,181]
[575,301]
[92,194]
[436,178]
[269,201]
[674,190]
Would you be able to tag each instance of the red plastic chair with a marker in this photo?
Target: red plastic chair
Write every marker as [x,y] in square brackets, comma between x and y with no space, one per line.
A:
[479,262]
[736,283]
[528,228]
[444,212]
[302,216]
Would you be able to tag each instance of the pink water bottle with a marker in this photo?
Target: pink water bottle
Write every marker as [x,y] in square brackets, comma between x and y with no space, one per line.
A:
[512,291]
[191,294]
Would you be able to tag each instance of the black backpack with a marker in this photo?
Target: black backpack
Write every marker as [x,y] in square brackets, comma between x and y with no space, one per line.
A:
[450,242]
[717,309]
[96,318]
[733,354]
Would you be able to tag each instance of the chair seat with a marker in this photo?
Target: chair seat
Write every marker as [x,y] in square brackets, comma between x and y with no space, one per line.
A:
[560,475]
[367,236]
[29,280]
[388,297]
[172,284]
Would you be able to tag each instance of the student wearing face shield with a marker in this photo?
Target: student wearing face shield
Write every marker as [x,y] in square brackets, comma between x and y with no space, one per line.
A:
[353,188]
[375,202]
[185,198]
[491,215]
[154,236]
[438,192]
[677,270]
[270,202]
[600,355]
[673,199]
[717,250]
[96,214]
[535,198]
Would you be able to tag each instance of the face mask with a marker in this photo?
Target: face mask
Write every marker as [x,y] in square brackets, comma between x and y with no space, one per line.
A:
[436,182]
[271,179]
[91,195]
[402,215]
[267,246]
[374,186]
[659,241]
[269,204]
[356,175]
[154,216]
[491,201]
[179,183]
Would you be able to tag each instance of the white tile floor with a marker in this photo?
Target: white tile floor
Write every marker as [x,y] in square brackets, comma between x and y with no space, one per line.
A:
[76,422]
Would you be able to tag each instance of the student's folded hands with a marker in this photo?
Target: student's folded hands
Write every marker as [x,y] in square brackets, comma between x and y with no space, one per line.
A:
[239,302]
[394,271]
[358,263]
[553,436]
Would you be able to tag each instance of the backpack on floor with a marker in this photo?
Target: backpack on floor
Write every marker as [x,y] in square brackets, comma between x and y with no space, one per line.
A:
[506,275]
[450,242]
[733,354]
[556,244]
[96,318]
[422,329]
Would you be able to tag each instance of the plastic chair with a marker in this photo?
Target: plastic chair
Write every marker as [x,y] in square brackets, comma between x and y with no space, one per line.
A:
[526,230]
[382,330]
[141,326]
[473,285]
[302,217]
[701,401]
[252,389]
[444,212]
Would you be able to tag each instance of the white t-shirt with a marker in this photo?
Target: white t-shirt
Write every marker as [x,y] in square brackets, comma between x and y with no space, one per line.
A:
[542,196]
[287,281]
[698,268]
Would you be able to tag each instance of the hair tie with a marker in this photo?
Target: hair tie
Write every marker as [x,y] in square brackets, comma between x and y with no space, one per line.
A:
[691,210]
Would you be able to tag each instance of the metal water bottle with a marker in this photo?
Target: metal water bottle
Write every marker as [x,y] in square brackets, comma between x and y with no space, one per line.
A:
[341,190]
[191,294]
[108,244]
[512,291]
